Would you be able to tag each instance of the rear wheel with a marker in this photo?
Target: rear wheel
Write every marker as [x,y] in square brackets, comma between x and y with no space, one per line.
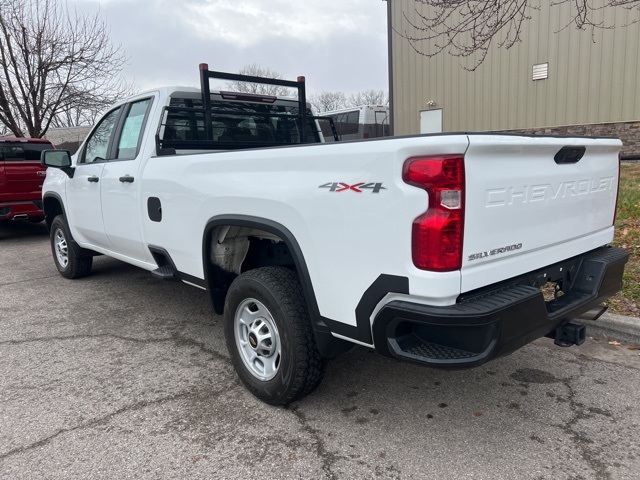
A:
[269,336]
[71,260]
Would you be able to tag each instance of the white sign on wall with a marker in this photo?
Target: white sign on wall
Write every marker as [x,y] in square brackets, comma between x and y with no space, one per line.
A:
[431,121]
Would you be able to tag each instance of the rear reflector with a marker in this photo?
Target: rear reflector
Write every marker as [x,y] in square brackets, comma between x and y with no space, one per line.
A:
[615,209]
[437,235]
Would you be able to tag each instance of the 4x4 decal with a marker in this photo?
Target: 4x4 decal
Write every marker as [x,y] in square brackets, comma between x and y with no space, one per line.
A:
[356,187]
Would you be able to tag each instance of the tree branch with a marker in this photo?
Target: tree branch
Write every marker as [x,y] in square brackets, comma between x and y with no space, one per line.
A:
[468,29]
[55,65]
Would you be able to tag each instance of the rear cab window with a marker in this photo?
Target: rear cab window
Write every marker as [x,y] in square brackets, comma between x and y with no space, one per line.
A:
[18,151]
[236,122]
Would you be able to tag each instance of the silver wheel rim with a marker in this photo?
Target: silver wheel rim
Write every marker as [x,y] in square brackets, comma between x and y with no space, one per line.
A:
[61,248]
[257,339]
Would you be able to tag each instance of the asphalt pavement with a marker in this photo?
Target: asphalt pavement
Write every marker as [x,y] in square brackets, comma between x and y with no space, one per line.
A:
[119,375]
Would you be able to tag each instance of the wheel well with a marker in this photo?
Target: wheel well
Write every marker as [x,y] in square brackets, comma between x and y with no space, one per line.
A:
[232,250]
[233,245]
[52,208]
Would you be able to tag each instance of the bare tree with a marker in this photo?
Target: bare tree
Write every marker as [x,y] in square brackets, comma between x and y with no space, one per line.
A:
[258,88]
[368,97]
[75,117]
[465,28]
[55,65]
[327,101]
[88,107]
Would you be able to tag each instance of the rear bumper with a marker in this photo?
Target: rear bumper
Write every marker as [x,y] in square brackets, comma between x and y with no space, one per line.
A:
[32,209]
[497,320]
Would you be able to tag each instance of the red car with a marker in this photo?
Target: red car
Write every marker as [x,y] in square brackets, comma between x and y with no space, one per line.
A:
[21,178]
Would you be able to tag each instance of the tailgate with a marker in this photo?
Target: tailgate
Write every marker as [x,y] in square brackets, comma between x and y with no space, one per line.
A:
[21,174]
[530,202]
[23,180]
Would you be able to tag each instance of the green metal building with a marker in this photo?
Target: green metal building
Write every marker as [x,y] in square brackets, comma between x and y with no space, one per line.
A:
[556,81]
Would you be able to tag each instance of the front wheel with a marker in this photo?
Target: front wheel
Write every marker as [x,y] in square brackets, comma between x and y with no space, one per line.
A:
[269,336]
[71,260]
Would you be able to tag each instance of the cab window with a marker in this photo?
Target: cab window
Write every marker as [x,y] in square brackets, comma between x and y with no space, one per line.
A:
[132,130]
[98,143]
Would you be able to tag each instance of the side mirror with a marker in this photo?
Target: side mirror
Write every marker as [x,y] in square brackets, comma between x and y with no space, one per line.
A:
[57,159]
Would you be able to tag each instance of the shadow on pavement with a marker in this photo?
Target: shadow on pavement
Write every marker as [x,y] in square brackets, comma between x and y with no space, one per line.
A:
[22,229]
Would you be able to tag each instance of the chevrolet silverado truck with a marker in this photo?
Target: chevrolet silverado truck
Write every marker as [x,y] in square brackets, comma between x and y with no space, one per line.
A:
[444,250]
[21,178]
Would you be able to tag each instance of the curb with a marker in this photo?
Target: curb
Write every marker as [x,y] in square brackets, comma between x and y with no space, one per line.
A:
[614,327]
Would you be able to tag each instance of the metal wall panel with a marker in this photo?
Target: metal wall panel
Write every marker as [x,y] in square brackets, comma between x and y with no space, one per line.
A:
[592,77]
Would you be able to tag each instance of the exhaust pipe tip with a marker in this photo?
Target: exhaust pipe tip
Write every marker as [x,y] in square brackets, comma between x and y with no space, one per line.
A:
[21,216]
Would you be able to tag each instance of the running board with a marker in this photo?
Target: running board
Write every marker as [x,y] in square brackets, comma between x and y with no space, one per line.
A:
[166,268]
[165,273]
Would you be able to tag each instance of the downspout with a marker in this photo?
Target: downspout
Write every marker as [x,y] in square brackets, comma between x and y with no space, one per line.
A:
[390,67]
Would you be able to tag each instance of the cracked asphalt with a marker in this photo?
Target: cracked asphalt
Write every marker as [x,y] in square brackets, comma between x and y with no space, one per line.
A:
[119,375]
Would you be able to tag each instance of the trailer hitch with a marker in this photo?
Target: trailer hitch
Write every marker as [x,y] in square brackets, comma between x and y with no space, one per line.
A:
[568,334]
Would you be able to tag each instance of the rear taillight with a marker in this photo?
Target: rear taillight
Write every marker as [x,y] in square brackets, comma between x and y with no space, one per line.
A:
[438,233]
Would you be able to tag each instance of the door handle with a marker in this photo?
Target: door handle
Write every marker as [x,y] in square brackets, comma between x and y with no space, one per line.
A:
[93,179]
[126,179]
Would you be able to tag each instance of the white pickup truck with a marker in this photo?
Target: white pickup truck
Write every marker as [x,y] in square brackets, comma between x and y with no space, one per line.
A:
[433,249]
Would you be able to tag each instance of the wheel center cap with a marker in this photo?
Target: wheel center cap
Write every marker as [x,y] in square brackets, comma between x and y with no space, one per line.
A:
[253,340]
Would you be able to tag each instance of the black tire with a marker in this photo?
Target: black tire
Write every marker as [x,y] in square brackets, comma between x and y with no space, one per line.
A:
[63,247]
[300,367]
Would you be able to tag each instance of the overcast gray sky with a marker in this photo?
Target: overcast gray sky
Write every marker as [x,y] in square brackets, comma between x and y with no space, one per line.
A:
[339,45]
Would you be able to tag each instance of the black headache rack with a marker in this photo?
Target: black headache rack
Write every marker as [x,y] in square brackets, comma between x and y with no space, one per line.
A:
[236,120]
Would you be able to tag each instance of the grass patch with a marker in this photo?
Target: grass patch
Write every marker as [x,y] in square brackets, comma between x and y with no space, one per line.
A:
[627,302]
